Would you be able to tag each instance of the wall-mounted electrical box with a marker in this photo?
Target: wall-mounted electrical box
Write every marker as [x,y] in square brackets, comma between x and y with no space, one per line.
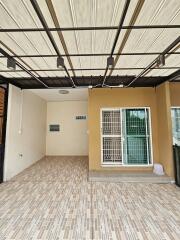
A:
[54,127]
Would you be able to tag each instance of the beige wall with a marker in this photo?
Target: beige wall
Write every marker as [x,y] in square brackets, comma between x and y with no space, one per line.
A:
[72,138]
[130,97]
[164,128]
[26,131]
[175,94]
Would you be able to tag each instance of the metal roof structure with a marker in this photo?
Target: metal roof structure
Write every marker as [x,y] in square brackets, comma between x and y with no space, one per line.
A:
[85,33]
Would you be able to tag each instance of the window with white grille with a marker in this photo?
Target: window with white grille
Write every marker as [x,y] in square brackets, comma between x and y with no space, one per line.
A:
[175,115]
[111,136]
[126,136]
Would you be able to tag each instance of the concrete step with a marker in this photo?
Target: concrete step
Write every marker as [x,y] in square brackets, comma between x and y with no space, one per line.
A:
[96,176]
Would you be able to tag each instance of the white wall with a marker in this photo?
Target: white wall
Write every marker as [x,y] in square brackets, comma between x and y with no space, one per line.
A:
[72,138]
[26,131]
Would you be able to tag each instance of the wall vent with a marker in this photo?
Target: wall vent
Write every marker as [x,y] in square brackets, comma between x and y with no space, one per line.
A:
[81,117]
[54,128]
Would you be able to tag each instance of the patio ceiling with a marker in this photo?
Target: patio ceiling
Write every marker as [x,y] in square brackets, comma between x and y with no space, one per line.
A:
[85,33]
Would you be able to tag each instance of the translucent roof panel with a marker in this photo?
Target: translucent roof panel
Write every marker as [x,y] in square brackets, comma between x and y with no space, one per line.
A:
[19,14]
[88,13]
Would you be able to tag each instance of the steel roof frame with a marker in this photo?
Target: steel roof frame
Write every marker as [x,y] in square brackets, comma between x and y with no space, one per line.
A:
[56,29]
[45,26]
[174,76]
[4,80]
[2,51]
[90,54]
[86,81]
[60,35]
[124,12]
[89,69]
[154,62]
[48,30]
[132,21]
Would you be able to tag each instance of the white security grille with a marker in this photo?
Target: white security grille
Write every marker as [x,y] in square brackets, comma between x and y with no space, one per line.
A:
[111,122]
[111,136]
[112,149]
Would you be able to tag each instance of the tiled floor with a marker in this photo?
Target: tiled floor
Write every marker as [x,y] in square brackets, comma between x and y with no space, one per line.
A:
[53,200]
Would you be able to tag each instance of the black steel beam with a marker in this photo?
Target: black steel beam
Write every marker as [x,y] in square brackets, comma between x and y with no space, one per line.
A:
[8,80]
[114,81]
[125,9]
[2,51]
[174,76]
[50,36]
[88,28]
[154,62]
[124,12]
[89,55]
[44,24]
[87,69]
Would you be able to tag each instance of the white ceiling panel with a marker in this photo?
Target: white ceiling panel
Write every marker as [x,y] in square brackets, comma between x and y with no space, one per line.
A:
[15,74]
[92,73]
[88,13]
[99,41]
[54,95]
[7,74]
[160,72]
[173,61]
[151,40]
[125,72]
[158,12]
[21,11]
[53,73]
[135,61]
[90,62]
[44,8]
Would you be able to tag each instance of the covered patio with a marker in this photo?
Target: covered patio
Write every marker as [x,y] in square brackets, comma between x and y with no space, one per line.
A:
[53,200]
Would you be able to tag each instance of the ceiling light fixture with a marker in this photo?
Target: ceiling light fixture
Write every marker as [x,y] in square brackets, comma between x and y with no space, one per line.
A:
[110,62]
[161,61]
[63,91]
[11,63]
[60,63]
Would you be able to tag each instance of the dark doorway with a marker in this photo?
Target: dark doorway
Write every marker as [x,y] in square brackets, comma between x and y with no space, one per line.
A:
[3,118]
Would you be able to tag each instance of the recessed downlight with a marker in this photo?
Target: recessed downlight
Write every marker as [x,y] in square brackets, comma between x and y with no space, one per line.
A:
[63,91]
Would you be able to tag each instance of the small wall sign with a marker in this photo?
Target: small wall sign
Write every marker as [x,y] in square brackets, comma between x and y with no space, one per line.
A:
[81,117]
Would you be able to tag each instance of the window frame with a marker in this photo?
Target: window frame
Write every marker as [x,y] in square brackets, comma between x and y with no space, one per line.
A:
[172,108]
[115,164]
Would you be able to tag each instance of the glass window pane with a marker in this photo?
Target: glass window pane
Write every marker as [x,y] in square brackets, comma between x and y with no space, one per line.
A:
[136,137]
[135,122]
[175,115]
[137,150]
